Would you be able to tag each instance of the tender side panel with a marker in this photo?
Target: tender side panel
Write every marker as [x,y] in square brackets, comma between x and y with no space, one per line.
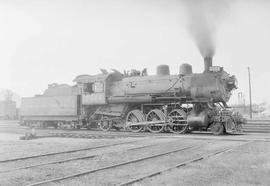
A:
[49,106]
[50,118]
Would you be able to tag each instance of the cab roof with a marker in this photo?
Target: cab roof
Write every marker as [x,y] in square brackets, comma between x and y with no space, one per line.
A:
[85,78]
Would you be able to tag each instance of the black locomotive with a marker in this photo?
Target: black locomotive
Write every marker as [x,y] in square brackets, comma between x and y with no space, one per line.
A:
[137,102]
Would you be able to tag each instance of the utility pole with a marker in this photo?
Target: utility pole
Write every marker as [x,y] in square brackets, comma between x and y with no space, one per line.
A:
[250,103]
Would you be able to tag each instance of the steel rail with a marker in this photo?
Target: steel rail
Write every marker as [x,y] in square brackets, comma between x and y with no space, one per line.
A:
[184,163]
[108,167]
[108,135]
[67,160]
[195,136]
[13,127]
[64,152]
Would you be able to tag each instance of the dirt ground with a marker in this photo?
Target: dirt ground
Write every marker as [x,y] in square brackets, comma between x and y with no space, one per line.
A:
[247,164]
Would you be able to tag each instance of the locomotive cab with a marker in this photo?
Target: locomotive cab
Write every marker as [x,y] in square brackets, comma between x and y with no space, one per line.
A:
[94,89]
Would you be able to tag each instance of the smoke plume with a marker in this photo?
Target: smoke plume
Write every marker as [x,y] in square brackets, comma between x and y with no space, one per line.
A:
[204,18]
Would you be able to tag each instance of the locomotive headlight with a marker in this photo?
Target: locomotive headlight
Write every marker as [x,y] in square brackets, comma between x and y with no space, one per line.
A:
[231,83]
[235,82]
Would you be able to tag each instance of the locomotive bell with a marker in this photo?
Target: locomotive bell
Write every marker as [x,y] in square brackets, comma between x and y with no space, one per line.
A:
[207,63]
[163,70]
[185,69]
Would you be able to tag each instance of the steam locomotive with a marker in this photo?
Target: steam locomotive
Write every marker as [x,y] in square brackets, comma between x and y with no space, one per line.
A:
[136,101]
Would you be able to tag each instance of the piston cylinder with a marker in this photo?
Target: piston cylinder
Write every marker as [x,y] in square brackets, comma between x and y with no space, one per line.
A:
[198,120]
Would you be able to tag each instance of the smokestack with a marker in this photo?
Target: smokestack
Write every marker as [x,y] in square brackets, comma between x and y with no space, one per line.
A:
[207,63]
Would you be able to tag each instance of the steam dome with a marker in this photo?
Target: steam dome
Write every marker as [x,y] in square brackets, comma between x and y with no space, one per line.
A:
[163,70]
[185,69]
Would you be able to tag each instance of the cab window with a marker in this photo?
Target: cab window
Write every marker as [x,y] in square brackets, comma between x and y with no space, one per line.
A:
[98,87]
[88,88]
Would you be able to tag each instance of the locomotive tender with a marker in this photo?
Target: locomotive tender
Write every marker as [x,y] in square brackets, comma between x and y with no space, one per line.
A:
[136,101]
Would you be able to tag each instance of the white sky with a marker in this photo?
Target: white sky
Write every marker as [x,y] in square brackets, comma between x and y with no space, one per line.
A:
[46,41]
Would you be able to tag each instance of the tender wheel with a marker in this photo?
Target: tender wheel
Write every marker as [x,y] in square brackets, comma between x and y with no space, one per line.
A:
[155,115]
[55,125]
[44,125]
[134,116]
[217,129]
[178,123]
[105,124]
[88,127]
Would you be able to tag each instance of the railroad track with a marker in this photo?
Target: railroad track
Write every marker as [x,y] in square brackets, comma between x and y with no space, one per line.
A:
[68,151]
[13,127]
[87,172]
[70,159]
[96,136]
[10,122]
[81,133]
[257,126]
[184,163]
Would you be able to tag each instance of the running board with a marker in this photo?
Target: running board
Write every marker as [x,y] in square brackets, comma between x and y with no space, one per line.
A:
[157,123]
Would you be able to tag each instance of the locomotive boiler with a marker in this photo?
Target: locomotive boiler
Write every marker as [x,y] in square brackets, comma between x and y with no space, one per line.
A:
[137,102]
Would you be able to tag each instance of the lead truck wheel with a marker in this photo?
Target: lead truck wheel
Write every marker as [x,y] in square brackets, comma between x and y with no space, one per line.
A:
[217,129]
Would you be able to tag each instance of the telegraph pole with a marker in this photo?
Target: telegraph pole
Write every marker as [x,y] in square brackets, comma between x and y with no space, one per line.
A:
[250,103]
